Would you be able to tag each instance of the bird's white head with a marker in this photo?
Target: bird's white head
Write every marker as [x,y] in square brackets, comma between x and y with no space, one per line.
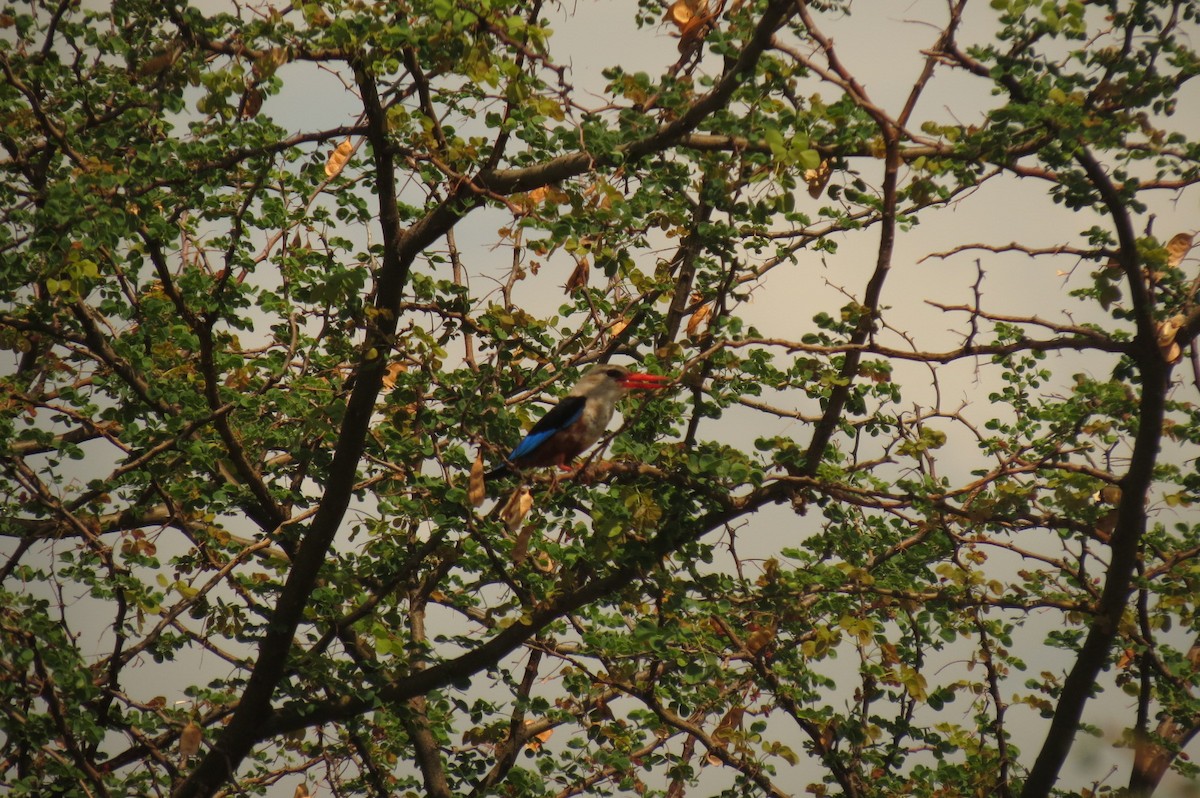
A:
[607,382]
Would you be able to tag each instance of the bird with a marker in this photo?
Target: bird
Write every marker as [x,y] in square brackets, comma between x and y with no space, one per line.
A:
[578,420]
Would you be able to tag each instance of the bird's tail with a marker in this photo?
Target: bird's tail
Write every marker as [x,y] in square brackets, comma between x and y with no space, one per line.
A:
[496,472]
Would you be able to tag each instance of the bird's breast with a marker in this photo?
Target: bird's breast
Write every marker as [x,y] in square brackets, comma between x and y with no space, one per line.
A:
[592,423]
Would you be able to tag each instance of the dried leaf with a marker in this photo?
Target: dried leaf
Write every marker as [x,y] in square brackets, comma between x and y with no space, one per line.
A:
[520,547]
[817,179]
[317,16]
[618,326]
[476,490]
[698,318]
[692,18]
[189,741]
[1167,330]
[268,62]
[605,200]
[579,277]
[1126,657]
[338,158]
[759,639]
[1107,524]
[161,61]
[537,740]
[601,711]
[392,373]
[828,735]
[693,35]
[252,102]
[729,724]
[1178,248]
[516,508]
[681,12]
[301,791]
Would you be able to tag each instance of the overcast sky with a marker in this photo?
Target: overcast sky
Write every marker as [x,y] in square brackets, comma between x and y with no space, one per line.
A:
[881,44]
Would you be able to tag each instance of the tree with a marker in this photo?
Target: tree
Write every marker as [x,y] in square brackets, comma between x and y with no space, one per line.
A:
[264,336]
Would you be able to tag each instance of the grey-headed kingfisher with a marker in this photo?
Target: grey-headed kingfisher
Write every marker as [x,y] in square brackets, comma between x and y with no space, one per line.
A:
[579,419]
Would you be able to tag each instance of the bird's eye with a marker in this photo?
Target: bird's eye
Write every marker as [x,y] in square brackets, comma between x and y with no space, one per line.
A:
[616,374]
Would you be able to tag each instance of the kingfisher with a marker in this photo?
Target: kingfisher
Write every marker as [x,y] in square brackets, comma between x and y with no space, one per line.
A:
[579,419]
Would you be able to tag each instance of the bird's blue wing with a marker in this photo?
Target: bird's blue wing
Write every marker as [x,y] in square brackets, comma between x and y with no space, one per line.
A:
[561,416]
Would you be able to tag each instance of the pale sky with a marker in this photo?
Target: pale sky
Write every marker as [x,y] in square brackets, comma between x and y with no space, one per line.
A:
[881,45]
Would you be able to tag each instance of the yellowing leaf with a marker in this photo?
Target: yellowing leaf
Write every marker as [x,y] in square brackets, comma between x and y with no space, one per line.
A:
[1181,499]
[1178,248]
[476,736]
[316,16]
[807,159]
[914,683]
[338,158]
[266,64]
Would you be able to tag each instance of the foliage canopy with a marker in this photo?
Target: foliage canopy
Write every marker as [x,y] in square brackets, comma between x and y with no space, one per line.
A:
[277,280]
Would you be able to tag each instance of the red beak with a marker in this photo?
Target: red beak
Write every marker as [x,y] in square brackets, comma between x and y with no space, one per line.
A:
[645,382]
